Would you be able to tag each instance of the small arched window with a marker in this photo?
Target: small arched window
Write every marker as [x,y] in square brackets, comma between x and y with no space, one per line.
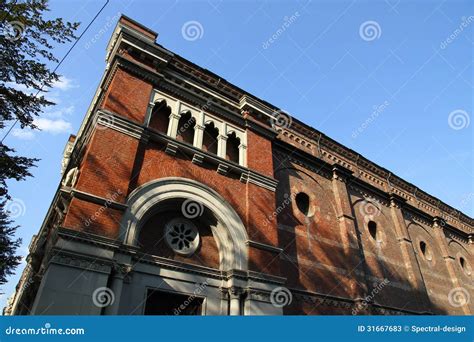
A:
[302,203]
[465,266]
[426,251]
[159,119]
[372,227]
[232,148]
[185,131]
[209,141]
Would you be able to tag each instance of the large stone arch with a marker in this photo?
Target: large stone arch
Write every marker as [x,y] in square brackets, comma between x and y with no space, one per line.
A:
[230,233]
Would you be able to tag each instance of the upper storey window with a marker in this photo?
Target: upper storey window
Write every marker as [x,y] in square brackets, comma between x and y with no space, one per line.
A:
[194,126]
[209,141]
[160,116]
[232,150]
[186,126]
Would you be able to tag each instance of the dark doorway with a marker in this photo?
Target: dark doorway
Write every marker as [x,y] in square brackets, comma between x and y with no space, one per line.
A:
[172,304]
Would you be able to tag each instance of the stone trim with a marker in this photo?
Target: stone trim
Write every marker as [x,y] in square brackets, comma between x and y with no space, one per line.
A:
[264,246]
[125,126]
[117,123]
[342,302]
[94,198]
[231,236]
[81,261]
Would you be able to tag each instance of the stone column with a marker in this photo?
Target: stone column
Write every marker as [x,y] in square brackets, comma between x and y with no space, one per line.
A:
[221,146]
[198,136]
[119,273]
[438,224]
[234,301]
[243,155]
[173,125]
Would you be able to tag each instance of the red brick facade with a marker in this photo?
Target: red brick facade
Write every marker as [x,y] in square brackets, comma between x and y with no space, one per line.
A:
[329,258]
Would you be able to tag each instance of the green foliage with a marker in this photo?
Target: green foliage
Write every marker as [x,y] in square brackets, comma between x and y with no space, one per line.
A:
[8,245]
[27,41]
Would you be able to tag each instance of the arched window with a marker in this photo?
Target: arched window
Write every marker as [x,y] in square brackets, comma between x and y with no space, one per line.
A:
[426,251]
[373,231]
[159,119]
[232,148]
[209,142]
[186,128]
[302,203]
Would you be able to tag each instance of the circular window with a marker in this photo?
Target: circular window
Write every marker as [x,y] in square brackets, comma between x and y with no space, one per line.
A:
[182,236]
[465,266]
[372,226]
[426,251]
[302,202]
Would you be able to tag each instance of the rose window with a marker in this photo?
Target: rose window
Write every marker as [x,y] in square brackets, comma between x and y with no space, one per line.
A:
[182,236]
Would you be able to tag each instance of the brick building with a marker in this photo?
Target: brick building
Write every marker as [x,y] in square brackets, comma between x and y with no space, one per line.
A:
[183,194]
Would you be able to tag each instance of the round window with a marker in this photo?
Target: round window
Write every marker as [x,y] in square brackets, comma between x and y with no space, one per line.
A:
[182,236]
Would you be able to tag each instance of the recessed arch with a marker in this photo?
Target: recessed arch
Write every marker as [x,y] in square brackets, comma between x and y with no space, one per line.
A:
[231,235]
[186,125]
[159,117]
[232,148]
[211,132]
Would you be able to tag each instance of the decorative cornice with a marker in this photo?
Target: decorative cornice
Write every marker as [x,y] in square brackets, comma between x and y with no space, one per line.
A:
[81,261]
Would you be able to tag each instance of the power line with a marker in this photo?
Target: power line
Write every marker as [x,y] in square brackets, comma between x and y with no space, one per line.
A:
[59,64]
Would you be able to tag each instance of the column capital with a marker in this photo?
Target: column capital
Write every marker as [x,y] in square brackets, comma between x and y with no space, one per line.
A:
[197,126]
[341,173]
[396,200]
[122,270]
[439,222]
[174,116]
[235,291]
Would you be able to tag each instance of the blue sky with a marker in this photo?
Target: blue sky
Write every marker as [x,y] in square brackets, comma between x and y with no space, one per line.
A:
[392,80]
